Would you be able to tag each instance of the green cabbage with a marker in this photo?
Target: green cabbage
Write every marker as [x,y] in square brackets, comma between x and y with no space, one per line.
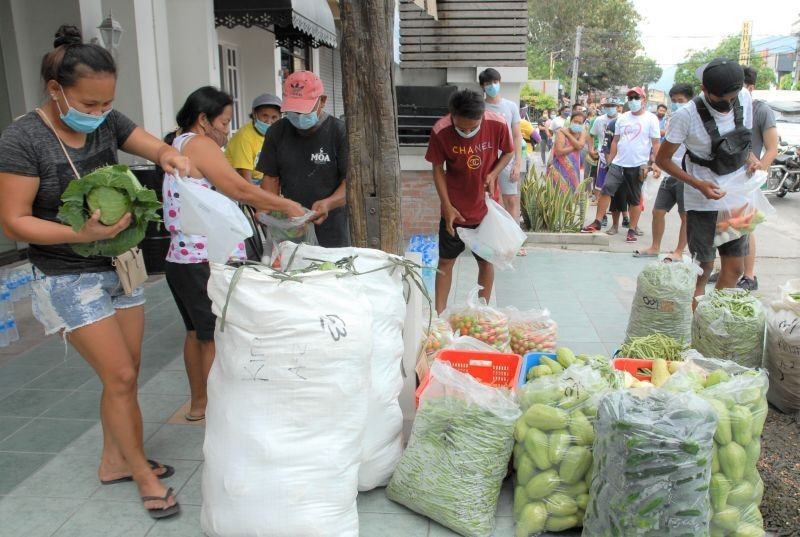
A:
[115,191]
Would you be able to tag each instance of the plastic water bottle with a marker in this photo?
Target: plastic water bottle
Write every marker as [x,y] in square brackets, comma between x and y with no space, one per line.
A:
[5,314]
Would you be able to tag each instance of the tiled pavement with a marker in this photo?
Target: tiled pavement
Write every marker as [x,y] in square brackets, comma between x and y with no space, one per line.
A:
[50,437]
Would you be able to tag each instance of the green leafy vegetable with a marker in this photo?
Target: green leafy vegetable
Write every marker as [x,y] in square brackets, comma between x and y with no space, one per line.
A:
[663,302]
[115,191]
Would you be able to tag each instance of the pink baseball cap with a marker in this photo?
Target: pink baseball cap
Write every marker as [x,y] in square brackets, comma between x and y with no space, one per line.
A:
[301,91]
[637,91]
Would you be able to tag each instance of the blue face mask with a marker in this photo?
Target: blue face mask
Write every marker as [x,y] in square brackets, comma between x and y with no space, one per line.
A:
[611,111]
[677,106]
[303,121]
[492,89]
[260,126]
[634,105]
[80,121]
[574,127]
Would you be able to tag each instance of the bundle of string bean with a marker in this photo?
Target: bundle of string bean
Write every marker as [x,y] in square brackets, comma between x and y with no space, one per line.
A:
[729,323]
[653,346]
[458,453]
[663,301]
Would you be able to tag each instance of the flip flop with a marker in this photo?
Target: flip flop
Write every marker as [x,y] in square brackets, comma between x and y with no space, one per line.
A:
[169,471]
[637,253]
[158,512]
[522,252]
[189,417]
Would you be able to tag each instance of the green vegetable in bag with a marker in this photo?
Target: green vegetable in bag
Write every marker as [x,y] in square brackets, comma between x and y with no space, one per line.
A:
[115,191]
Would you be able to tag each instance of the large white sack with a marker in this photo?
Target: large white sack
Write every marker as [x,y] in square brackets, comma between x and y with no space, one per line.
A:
[383,442]
[286,412]
[782,354]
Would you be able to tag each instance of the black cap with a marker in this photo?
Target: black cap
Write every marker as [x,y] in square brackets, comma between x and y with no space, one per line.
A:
[721,77]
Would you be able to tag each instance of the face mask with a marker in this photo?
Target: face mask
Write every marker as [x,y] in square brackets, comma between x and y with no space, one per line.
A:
[470,134]
[575,127]
[492,89]
[80,121]
[635,105]
[565,114]
[720,106]
[611,112]
[677,106]
[303,121]
[260,126]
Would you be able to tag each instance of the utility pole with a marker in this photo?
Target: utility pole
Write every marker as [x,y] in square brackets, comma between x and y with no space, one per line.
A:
[574,92]
[744,44]
[553,62]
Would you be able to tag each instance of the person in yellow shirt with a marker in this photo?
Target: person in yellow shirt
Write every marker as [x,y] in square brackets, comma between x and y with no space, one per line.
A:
[244,148]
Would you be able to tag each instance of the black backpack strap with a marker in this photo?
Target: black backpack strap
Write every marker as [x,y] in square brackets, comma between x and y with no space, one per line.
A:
[705,116]
[738,114]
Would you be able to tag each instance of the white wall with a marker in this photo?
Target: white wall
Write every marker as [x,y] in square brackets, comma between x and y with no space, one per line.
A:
[258,69]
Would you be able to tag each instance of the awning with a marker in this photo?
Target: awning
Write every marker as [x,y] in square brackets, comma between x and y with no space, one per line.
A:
[296,22]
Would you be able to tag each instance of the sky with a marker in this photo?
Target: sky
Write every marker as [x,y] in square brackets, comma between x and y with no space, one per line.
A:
[669,30]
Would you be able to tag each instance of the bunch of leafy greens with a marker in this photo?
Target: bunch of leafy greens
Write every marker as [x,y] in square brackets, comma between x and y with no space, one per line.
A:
[115,191]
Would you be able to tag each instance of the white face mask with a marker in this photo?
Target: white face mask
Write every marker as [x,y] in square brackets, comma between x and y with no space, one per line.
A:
[470,134]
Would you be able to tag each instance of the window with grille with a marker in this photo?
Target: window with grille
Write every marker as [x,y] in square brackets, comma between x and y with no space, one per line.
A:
[230,80]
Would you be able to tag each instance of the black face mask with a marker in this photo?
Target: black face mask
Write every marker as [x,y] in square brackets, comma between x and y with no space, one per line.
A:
[721,106]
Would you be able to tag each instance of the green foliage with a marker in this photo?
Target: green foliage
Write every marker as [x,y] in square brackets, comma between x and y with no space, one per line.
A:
[786,82]
[727,48]
[548,208]
[115,191]
[536,99]
[608,45]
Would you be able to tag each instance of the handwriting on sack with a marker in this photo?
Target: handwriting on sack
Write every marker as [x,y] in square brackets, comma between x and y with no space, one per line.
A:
[334,325]
[657,304]
[788,327]
[256,368]
[572,388]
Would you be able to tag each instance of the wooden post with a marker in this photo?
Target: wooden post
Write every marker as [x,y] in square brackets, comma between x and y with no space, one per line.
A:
[373,174]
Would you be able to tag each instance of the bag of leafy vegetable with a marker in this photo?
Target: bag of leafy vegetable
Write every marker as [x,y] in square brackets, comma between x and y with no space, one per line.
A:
[481,321]
[297,229]
[652,465]
[115,191]
[457,456]
[553,450]
[738,396]
[782,353]
[729,324]
[663,301]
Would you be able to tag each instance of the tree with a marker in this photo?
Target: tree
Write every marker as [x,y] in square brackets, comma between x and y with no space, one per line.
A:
[610,37]
[786,82]
[373,171]
[727,48]
[536,99]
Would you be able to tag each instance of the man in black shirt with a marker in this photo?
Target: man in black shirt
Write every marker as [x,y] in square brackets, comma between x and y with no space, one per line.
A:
[304,157]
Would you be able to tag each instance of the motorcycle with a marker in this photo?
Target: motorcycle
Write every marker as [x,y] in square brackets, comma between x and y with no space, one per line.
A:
[784,174]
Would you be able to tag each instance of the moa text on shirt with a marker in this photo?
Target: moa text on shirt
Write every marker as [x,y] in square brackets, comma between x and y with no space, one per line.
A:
[321,157]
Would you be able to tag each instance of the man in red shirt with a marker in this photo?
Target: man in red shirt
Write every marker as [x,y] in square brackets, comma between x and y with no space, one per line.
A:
[468,148]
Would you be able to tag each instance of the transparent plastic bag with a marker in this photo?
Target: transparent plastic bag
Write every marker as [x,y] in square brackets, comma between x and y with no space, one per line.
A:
[652,465]
[739,398]
[438,336]
[497,239]
[782,351]
[663,301]
[481,321]
[553,450]
[729,324]
[458,453]
[531,330]
[298,229]
[744,207]
[464,343]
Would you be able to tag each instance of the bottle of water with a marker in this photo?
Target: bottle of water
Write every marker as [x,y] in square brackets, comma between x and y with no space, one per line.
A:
[4,315]
[12,333]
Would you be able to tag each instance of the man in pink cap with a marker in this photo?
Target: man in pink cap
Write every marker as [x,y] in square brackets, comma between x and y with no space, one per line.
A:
[636,139]
[305,157]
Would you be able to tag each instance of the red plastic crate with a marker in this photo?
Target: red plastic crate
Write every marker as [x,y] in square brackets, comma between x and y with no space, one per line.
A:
[634,367]
[493,368]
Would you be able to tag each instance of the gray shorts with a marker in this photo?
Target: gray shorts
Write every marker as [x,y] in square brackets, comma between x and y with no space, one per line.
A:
[669,193]
[623,185]
[701,226]
[507,187]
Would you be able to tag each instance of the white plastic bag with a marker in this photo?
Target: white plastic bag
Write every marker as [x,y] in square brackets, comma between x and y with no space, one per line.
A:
[383,443]
[286,410]
[497,239]
[219,218]
[745,206]
[782,354]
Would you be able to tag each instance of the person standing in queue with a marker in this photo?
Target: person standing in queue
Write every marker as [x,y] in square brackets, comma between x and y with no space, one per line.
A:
[244,148]
[82,297]
[305,158]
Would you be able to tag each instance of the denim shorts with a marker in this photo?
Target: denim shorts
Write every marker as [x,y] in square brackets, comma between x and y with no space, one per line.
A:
[71,301]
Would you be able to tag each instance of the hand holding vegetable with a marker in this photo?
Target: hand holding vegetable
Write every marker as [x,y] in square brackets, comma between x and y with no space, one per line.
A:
[95,230]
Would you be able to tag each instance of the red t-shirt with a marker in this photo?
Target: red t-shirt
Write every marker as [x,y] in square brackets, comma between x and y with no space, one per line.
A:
[468,160]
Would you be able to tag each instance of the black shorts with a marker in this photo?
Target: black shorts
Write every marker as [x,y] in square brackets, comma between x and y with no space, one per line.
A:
[623,185]
[450,247]
[189,285]
[701,226]
[669,193]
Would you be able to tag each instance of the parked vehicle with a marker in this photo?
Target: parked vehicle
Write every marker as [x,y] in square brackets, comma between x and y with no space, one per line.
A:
[784,174]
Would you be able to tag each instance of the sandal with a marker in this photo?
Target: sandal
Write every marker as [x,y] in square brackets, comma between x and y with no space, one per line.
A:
[189,417]
[522,252]
[642,253]
[169,471]
[159,512]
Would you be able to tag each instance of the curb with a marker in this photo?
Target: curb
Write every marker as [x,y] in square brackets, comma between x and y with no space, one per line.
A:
[563,239]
